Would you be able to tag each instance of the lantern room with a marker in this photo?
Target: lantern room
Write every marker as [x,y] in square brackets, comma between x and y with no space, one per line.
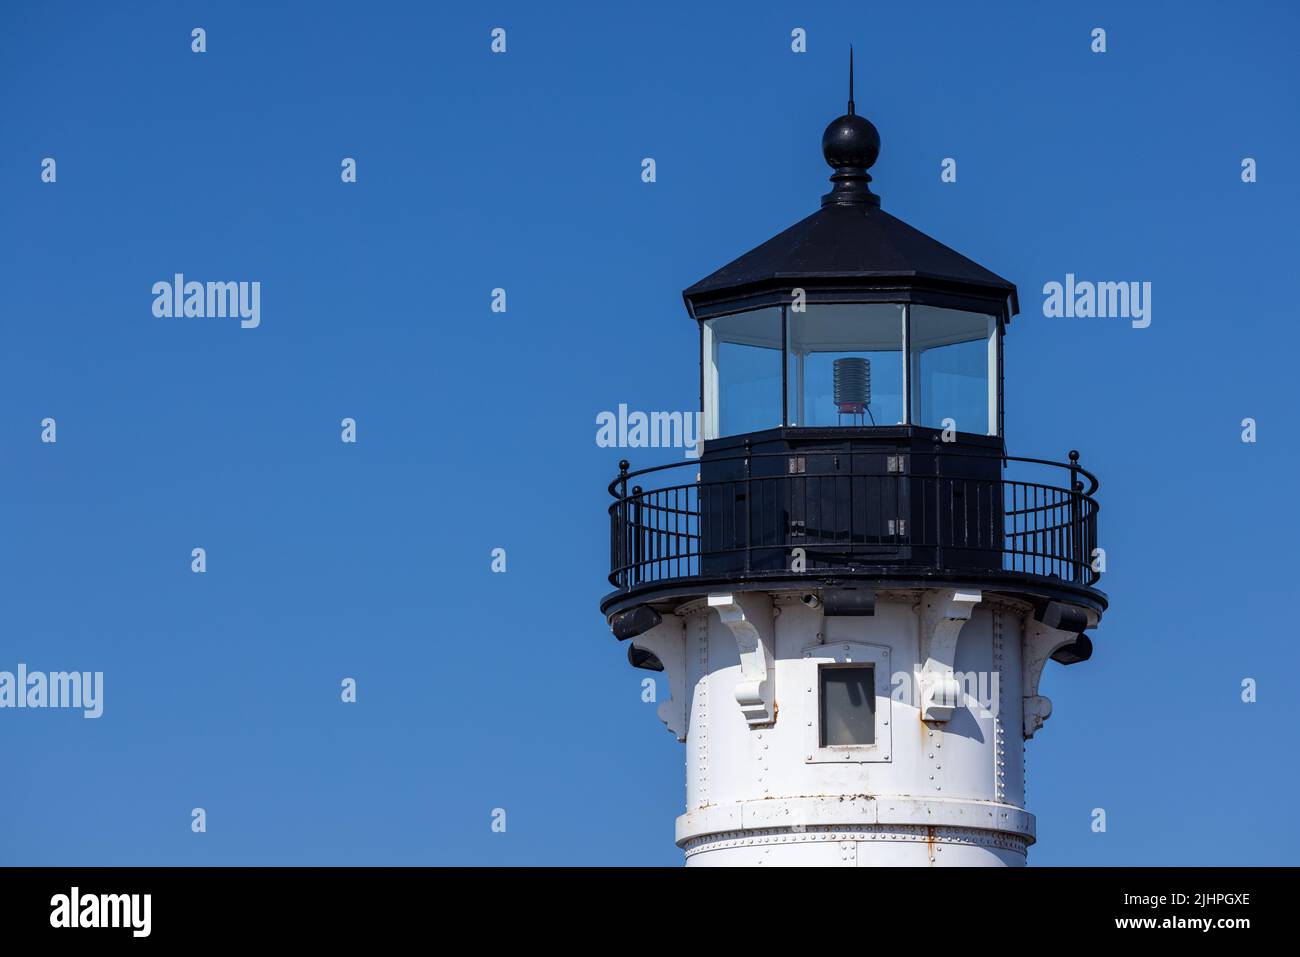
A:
[851,317]
[851,399]
[851,364]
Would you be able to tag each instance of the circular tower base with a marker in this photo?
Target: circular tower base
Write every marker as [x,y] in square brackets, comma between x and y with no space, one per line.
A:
[880,846]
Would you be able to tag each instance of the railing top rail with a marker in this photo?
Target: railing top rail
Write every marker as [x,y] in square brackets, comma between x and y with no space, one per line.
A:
[618,487]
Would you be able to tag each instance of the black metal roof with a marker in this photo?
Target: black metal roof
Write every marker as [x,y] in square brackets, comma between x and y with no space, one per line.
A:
[846,245]
[852,250]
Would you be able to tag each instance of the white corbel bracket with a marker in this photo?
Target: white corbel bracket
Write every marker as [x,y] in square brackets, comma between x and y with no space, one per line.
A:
[943,613]
[1041,642]
[756,690]
[667,641]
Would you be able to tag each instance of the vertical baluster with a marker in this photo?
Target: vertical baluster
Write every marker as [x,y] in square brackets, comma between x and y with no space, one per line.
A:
[748,497]
[622,514]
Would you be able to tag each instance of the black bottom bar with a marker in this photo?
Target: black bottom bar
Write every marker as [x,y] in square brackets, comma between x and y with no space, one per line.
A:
[977,910]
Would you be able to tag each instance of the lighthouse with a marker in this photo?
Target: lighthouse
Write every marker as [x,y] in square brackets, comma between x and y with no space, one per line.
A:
[854,591]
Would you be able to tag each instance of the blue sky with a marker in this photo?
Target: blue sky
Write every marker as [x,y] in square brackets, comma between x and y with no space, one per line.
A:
[476,430]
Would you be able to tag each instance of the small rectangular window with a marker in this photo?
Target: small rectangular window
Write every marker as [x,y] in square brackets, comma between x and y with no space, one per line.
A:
[848,705]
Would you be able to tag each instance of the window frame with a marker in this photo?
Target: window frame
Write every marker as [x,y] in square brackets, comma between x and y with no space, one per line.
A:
[838,653]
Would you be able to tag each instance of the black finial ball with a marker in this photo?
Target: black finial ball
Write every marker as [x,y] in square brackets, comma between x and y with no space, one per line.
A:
[851,141]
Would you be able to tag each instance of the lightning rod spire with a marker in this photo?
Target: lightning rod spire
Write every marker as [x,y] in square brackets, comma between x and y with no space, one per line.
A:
[851,110]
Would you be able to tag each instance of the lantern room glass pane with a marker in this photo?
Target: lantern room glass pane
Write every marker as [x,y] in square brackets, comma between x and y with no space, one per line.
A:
[742,373]
[954,369]
[845,365]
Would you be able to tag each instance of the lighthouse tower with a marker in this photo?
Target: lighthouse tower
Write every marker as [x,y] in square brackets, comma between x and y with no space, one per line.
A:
[854,591]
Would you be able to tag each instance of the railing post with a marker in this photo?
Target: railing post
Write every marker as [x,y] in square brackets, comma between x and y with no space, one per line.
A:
[637,543]
[620,514]
[938,511]
[749,499]
[1076,527]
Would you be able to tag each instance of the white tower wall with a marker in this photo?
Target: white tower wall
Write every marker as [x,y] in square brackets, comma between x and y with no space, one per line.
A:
[956,675]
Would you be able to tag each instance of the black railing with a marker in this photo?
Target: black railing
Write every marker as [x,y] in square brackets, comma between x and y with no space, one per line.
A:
[850,517]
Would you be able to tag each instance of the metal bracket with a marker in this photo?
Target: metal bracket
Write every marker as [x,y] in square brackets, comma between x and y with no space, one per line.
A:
[756,690]
[1041,642]
[667,641]
[943,613]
